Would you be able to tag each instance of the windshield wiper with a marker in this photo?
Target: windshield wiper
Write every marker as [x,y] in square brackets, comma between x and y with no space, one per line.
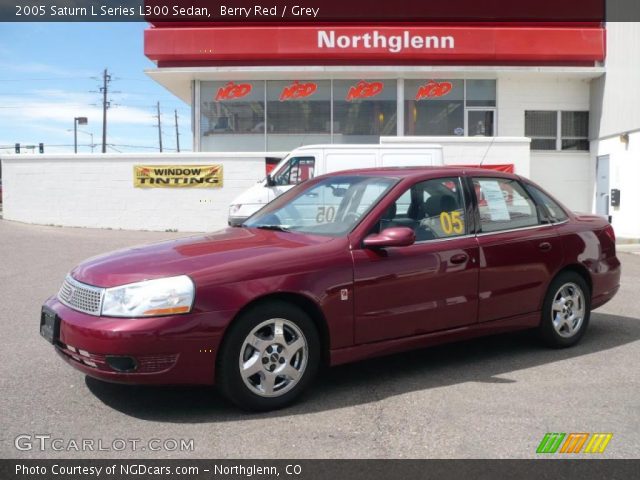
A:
[278,228]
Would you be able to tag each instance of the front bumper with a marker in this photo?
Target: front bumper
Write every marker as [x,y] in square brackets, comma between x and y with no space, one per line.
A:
[171,350]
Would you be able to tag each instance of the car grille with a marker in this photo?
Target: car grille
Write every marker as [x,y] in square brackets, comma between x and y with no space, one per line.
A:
[81,297]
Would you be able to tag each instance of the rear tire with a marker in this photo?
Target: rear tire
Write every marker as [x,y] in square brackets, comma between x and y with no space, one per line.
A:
[269,356]
[566,311]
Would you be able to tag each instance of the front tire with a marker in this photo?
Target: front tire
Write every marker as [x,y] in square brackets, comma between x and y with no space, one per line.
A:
[566,311]
[269,356]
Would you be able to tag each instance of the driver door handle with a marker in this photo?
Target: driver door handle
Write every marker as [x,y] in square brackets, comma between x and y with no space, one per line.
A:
[459,258]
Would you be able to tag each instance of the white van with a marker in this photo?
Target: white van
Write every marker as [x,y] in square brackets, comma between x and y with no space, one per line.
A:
[313,160]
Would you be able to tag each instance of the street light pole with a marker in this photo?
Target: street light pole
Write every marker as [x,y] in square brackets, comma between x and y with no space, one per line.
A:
[77,121]
[91,135]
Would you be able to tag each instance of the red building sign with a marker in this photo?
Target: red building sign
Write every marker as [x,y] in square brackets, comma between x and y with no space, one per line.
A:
[364,89]
[232,91]
[281,45]
[433,89]
[298,91]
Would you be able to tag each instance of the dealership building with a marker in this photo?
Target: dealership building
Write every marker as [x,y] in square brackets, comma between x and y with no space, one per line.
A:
[570,87]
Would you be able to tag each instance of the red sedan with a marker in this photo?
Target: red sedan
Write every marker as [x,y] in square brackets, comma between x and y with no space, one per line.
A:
[343,267]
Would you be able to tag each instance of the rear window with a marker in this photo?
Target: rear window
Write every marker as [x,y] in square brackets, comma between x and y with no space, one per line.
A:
[504,205]
[554,211]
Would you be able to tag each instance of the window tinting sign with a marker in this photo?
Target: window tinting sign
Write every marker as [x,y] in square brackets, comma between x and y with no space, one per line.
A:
[232,91]
[363,90]
[177,176]
[297,91]
[433,89]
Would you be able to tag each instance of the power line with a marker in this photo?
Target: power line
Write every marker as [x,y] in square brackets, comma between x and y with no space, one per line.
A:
[43,79]
[143,147]
[34,106]
[110,145]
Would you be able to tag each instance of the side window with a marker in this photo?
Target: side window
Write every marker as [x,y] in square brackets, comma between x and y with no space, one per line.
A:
[434,209]
[504,205]
[555,211]
[297,170]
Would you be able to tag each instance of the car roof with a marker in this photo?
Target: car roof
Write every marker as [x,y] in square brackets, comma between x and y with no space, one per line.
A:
[436,171]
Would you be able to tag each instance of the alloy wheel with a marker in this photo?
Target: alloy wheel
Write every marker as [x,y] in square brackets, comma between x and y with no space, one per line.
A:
[273,357]
[568,310]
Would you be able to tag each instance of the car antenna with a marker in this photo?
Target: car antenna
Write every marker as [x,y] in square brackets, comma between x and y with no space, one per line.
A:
[493,139]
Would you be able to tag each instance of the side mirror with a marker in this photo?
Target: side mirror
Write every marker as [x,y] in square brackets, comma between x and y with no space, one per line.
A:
[391,237]
[270,181]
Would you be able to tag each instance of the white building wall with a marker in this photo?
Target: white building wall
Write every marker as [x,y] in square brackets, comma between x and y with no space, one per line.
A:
[97,191]
[624,175]
[615,106]
[569,176]
[616,96]
[477,150]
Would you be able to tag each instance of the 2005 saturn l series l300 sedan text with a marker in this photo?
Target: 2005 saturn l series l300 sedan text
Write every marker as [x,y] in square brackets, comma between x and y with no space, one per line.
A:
[343,267]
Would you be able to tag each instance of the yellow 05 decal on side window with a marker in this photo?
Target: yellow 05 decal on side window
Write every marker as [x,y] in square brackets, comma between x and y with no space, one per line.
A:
[451,223]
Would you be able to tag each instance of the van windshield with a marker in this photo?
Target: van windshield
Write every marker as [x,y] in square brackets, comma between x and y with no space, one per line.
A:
[332,206]
[295,170]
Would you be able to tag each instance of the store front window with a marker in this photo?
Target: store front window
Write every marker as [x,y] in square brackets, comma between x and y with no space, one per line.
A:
[480,93]
[280,115]
[480,123]
[480,102]
[232,116]
[555,130]
[364,110]
[298,113]
[434,107]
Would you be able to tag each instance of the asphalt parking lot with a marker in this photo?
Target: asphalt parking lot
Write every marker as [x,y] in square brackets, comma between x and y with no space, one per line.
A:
[493,397]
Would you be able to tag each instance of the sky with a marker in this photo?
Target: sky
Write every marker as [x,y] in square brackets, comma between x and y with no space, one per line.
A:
[52,72]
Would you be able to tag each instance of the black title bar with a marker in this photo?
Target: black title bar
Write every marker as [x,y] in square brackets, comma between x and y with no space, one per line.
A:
[319,469]
[239,12]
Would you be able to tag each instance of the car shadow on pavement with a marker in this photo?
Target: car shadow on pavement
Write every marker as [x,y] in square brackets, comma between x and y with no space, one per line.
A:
[480,360]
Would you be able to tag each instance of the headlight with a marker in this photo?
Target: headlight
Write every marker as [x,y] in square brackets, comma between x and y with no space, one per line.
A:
[233,209]
[164,296]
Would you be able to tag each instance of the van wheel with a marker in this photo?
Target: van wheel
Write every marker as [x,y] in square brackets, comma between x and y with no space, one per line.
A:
[269,356]
[566,311]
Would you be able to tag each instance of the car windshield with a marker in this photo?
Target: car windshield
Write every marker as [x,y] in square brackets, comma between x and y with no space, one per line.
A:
[329,206]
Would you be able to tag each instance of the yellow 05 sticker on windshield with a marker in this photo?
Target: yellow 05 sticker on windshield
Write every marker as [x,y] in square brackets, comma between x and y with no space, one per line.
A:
[451,223]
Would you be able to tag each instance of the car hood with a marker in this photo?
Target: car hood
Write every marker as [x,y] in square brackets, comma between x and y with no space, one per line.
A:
[234,250]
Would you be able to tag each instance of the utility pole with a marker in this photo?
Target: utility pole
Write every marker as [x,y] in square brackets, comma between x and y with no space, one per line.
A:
[177,132]
[159,127]
[106,78]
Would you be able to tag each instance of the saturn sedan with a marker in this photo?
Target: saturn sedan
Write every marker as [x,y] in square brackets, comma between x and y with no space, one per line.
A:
[341,268]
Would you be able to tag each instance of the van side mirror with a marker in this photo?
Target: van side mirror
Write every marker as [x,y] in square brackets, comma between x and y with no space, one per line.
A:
[270,181]
[391,237]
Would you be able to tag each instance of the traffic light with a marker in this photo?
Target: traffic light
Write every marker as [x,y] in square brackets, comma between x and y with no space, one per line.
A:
[41,147]
[17,148]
